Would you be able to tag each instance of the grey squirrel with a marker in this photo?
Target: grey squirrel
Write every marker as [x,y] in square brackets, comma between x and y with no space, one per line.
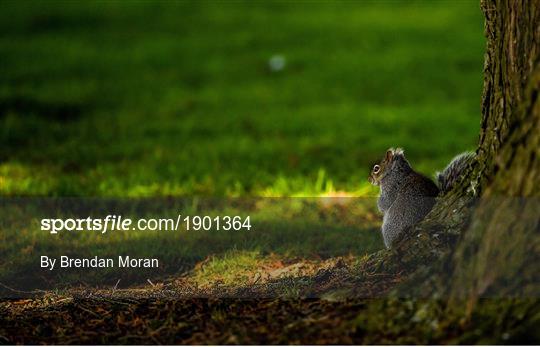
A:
[406,195]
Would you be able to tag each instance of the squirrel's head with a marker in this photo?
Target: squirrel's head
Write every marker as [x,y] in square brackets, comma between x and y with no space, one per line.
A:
[393,159]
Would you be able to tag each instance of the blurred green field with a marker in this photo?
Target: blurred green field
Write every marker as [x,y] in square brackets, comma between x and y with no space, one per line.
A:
[117,98]
[151,99]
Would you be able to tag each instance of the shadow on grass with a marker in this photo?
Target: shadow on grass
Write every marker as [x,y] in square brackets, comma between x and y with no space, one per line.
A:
[281,230]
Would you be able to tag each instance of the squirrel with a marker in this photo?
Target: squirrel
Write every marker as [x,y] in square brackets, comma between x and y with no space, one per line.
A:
[406,195]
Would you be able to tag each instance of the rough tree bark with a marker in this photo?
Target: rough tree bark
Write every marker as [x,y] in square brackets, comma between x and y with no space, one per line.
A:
[499,253]
[490,247]
[513,51]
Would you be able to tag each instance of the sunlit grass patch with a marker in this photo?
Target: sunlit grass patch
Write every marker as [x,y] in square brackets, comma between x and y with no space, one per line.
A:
[232,268]
[171,110]
[246,268]
[20,179]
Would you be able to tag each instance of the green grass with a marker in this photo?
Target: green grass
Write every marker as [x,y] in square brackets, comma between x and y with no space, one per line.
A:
[280,228]
[150,99]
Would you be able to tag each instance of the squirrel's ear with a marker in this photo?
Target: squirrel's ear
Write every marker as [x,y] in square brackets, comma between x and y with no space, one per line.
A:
[389,154]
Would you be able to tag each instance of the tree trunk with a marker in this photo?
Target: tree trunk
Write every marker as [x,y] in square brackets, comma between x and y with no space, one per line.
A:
[512,30]
[491,247]
[499,253]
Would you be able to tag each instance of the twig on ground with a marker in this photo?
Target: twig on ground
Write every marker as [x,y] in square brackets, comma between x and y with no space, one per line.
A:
[116,285]
[35,291]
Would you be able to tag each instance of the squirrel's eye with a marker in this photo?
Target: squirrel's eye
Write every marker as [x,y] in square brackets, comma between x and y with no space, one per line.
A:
[376,169]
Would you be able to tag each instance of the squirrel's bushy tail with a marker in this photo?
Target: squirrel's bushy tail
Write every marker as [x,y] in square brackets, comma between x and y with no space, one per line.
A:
[448,177]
